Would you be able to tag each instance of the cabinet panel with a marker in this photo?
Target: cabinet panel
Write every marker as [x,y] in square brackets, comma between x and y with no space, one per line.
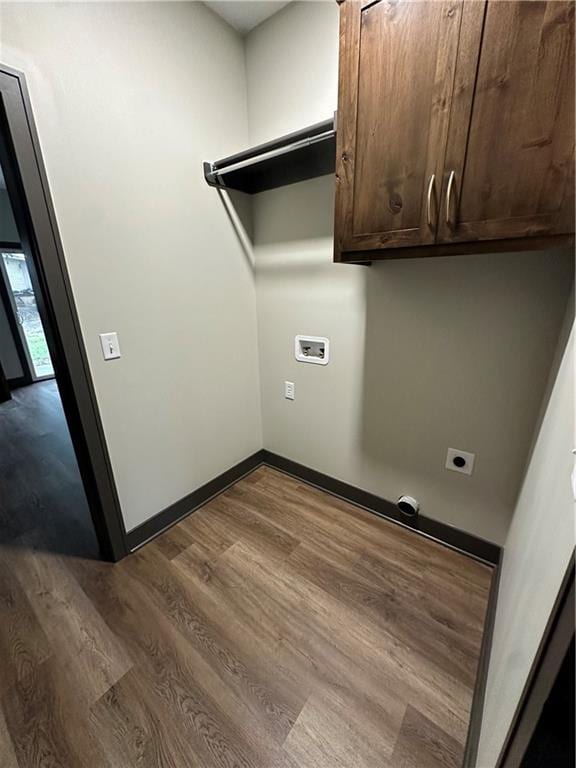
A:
[511,138]
[397,62]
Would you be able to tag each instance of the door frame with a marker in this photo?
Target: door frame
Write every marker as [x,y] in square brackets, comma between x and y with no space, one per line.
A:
[553,647]
[27,185]
[4,387]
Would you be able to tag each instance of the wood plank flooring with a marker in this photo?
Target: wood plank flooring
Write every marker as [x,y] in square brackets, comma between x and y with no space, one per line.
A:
[277,627]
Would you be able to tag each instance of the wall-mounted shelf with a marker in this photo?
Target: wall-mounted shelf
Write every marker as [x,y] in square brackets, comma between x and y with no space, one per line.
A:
[296,157]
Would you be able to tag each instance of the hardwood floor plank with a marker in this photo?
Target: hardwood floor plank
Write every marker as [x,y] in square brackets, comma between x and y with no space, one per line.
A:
[77,633]
[128,722]
[317,738]
[421,742]
[276,627]
[46,722]
[203,531]
[8,757]
[165,659]
[442,601]
[442,642]
[168,590]
[245,623]
[333,637]
[350,523]
[240,521]
[23,643]
[172,542]
[309,627]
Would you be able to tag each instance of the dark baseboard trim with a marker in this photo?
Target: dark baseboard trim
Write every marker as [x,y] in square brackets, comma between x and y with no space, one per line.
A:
[182,508]
[477,710]
[442,532]
[19,381]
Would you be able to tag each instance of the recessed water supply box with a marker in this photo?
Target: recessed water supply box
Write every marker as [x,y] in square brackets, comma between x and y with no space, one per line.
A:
[312,349]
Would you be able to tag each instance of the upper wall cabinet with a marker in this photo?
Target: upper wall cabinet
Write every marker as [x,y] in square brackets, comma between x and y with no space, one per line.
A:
[455,128]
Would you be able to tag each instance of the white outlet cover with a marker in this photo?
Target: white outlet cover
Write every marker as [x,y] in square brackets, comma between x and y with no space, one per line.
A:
[289,390]
[468,467]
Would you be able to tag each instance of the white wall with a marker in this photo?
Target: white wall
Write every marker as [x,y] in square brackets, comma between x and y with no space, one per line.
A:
[129,99]
[538,549]
[291,65]
[426,354]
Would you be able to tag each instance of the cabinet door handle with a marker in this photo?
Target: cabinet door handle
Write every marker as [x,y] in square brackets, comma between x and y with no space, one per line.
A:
[449,196]
[431,189]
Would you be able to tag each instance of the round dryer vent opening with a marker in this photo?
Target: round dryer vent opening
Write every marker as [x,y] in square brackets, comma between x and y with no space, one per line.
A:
[408,505]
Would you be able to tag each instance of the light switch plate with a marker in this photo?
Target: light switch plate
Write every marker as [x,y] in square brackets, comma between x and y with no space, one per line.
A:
[289,390]
[110,345]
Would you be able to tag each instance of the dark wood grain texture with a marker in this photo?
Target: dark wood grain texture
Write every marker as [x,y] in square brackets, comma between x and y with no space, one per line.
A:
[349,42]
[276,627]
[511,140]
[397,68]
[481,93]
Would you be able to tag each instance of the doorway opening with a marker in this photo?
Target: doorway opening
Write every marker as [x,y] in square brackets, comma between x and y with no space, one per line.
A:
[57,487]
[43,504]
[24,305]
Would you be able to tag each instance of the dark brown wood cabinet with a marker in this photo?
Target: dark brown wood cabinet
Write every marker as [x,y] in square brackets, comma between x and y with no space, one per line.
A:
[455,127]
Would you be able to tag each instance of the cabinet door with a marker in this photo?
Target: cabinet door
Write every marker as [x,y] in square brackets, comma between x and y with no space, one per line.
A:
[510,151]
[397,62]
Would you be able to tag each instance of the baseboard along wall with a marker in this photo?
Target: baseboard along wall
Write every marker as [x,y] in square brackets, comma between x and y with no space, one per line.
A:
[434,529]
[477,710]
[156,525]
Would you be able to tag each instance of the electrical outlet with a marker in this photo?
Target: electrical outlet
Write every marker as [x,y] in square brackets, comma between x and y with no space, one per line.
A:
[460,461]
[289,390]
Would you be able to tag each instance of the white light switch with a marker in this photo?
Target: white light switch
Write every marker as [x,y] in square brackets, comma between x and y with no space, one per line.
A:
[289,390]
[110,345]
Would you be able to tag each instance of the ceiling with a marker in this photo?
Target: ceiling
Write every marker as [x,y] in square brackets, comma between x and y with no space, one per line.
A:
[244,15]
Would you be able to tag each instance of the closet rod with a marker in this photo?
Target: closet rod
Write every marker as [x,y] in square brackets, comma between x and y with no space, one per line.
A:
[218,171]
[297,156]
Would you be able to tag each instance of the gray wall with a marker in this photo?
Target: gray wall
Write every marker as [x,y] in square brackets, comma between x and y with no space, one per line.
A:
[537,553]
[426,354]
[292,69]
[129,99]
